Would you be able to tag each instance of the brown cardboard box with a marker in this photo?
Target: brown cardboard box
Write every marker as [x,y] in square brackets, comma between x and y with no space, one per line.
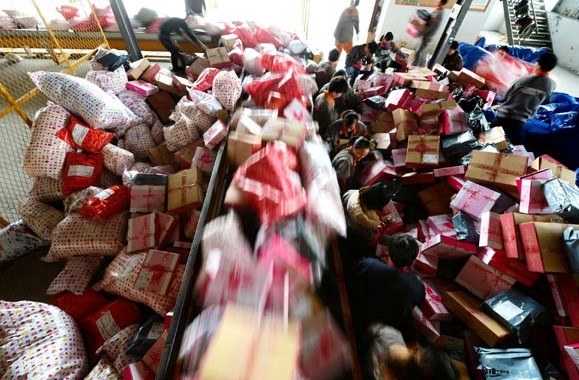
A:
[496,136]
[198,65]
[137,68]
[165,83]
[162,103]
[566,336]
[544,249]
[160,155]
[436,199]
[150,73]
[240,146]
[467,77]
[422,71]
[496,168]
[466,307]
[405,122]
[453,76]
[433,109]
[439,69]
[218,57]
[228,40]
[431,94]
[184,191]
[409,52]
[182,84]
[382,140]
[383,124]
[422,151]
[415,178]
[559,170]
[184,156]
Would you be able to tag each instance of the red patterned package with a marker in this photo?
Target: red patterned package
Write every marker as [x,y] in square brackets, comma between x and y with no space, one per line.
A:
[78,307]
[102,325]
[107,202]
[281,63]
[205,80]
[80,136]
[246,35]
[81,171]
[265,36]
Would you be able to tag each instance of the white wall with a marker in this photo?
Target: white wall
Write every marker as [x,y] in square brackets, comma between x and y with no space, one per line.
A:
[563,36]
[496,17]
[396,19]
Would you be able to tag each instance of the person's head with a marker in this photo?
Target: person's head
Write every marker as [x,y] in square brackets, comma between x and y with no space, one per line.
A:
[361,148]
[349,119]
[337,87]
[387,37]
[504,49]
[547,62]
[333,55]
[453,47]
[340,73]
[402,249]
[371,47]
[375,197]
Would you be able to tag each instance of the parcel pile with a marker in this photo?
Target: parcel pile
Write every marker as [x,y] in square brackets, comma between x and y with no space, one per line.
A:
[120,161]
[498,227]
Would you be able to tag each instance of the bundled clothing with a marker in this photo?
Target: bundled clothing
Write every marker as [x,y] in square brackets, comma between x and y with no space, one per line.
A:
[522,101]
[384,55]
[453,62]
[344,32]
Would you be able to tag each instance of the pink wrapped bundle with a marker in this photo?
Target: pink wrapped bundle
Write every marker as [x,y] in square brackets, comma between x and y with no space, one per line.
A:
[474,199]
[482,280]
[278,252]
[117,160]
[200,119]
[205,80]
[214,135]
[76,275]
[142,87]
[491,232]
[45,153]
[156,272]
[153,357]
[138,140]
[114,81]
[137,104]
[122,273]
[412,31]
[157,132]
[281,63]
[142,233]
[80,236]
[227,89]
[454,121]
[204,159]
[46,189]
[181,134]
[42,219]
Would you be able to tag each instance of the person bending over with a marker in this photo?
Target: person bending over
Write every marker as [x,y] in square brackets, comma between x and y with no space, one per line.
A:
[326,69]
[177,26]
[453,59]
[524,97]
[346,160]
[324,111]
[348,127]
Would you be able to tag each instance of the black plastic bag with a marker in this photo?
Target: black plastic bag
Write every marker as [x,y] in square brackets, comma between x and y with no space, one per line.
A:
[517,312]
[456,146]
[150,179]
[113,61]
[477,121]
[563,199]
[377,102]
[509,364]
[147,335]
[471,103]
[571,243]
[465,228]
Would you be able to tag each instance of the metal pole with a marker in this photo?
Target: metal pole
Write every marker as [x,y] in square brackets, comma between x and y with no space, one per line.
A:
[126,29]
[508,21]
[455,20]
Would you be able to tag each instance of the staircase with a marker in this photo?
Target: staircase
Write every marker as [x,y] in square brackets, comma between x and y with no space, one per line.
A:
[540,37]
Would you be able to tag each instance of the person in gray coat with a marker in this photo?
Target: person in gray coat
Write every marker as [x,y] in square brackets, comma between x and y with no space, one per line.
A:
[349,21]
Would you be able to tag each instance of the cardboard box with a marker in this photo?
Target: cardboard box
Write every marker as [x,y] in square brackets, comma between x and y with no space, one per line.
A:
[454,121]
[491,234]
[559,170]
[423,151]
[436,199]
[468,78]
[449,171]
[426,264]
[142,87]
[228,40]
[157,272]
[467,308]
[398,99]
[414,178]
[218,57]
[405,123]
[150,73]
[160,155]
[184,191]
[448,247]
[425,327]
[566,336]
[240,146]
[431,94]
[432,306]
[378,171]
[533,199]
[441,224]
[184,156]
[513,245]
[566,296]
[498,169]
[383,124]
[182,84]
[544,250]
[196,68]
[215,134]
[163,105]
[433,109]
[382,141]
[511,267]
[147,198]
[439,69]
[138,68]
[495,136]
[142,233]
[165,83]
[474,199]
[483,280]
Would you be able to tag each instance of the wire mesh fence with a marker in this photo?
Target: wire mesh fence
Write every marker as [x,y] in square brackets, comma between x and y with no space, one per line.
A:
[36,35]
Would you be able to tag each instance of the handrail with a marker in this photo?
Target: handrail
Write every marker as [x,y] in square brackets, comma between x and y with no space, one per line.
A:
[508,21]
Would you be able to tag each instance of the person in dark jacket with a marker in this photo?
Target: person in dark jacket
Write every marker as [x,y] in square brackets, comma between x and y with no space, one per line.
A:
[432,27]
[324,112]
[178,26]
[358,58]
[387,293]
[453,59]
[350,100]
[386,47]
[347,127]
[524,97]
[326,70]
[348,23]
[345,161]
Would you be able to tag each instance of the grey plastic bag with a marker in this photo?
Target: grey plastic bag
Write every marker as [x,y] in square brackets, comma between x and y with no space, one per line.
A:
[509,364]
[571,243]
[563,199]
